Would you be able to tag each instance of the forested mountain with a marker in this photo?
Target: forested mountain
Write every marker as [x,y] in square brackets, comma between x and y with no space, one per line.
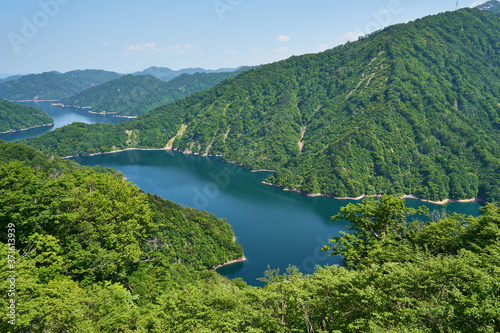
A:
[93,253]
[14,117]
[53,85]
[167,74]
[491,6]
[133,95]
[10,78]
[414,109]
[80,228]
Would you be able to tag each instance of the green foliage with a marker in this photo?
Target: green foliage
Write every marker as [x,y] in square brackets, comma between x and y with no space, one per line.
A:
[15,117]
[133,95]
[53,85]
[373,221]
[410,109]
[94,253]
[187,235]
[167,74]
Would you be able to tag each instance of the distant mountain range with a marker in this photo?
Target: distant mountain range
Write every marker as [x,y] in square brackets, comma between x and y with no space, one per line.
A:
[167,74]
[133,95]
[56,86]
[10,78]
[53,85]
[413,109]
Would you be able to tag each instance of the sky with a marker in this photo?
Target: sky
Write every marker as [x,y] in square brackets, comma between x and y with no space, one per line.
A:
[126,36]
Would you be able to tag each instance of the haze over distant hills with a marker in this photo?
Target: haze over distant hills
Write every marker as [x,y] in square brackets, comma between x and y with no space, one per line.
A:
[414,109]
[166,74]
[56,86]
[53,85]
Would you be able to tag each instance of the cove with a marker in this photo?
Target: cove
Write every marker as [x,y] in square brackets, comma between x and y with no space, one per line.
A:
[62,116]
[275,227]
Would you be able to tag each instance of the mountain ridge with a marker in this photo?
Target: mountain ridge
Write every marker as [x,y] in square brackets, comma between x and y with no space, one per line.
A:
[133,95]
[411,109]
[167,74]
[53,85]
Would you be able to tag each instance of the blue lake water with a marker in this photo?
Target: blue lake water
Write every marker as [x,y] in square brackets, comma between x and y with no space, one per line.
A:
[275,227]
[62,116]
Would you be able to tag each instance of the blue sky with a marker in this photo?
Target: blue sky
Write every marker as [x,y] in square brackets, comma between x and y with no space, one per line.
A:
[128,35]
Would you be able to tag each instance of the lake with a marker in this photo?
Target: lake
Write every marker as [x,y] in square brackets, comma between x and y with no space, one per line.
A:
[275,227]
[62,116]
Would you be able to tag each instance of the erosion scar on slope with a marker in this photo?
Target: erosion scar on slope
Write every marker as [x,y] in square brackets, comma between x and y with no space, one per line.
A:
[301,141]
[180,132]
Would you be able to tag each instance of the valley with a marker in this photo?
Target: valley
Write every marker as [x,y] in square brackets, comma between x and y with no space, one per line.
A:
[354,188]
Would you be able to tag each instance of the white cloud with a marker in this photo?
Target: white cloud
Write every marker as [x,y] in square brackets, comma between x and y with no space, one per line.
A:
[231,52]
[104,44]
[477,3]
[142,47]
[350,36]
[282,49]
[283,38]
[179,49]
[255,50]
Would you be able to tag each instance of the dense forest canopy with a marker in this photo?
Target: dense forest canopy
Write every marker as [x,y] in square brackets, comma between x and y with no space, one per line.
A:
[15,117]
[133,95]
[53,85]
[94,253]
[414,109]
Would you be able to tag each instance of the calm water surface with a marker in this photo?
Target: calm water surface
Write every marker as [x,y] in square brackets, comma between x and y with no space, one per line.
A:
[62,116]
[275,227]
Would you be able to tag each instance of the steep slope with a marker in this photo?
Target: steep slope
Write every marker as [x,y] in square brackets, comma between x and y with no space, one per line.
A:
[167,74]
[53,85]
[46,195]
[412,109]
[491,6]
[15,117]
[133,95]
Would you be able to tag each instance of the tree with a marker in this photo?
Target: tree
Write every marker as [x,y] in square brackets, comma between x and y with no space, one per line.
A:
[372,221]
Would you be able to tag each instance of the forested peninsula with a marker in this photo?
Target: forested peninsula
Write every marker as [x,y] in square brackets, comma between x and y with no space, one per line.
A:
[413,109]
[95,253]
[18,117]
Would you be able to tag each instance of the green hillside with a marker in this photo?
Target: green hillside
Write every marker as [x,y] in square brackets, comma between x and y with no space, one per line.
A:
[14,117]
[167,74]
[53,85]
[178,234]
[133,95]
[10,78]
[491,6]
[86,251]
[414,109]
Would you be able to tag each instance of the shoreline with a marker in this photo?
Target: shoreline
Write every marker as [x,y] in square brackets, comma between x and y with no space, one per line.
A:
[28,128]
[230,262]
[405,196]
[34,100]
[89,108]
